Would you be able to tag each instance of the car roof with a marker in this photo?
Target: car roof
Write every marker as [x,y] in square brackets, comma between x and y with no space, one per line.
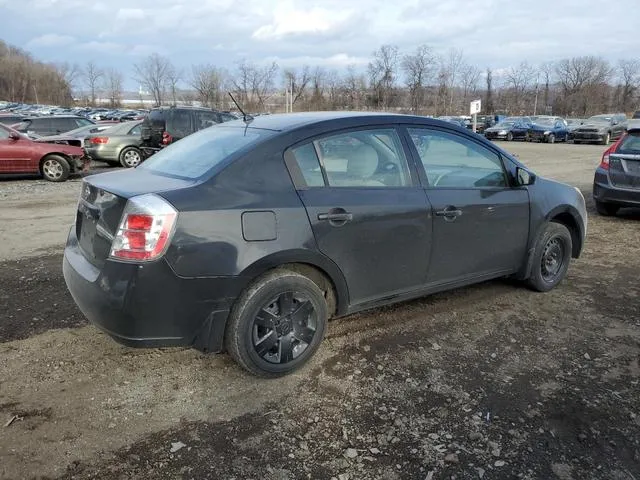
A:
[291,121]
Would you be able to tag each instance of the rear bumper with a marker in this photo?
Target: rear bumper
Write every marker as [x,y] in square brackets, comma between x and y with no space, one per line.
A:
[100,154]
[604,192]
[148,305]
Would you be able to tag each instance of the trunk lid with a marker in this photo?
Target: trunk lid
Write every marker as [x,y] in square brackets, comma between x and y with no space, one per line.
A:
[624,170]
[103,199]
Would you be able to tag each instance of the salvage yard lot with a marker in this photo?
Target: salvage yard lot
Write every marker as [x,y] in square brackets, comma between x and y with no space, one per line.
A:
[491,381]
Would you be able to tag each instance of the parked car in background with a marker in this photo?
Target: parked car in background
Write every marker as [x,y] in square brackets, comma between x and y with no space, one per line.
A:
[249,236]
[19,154]
[164,125]
[51,125]
[601,129]
[616,183]
[636,115]
[483,122]
[74,137]
[572,124]
[119,144]
[9,119]
[512,128]
[548,129]
[459,121]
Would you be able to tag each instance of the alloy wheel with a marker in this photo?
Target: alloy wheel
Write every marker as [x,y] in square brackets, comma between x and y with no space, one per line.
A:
[52,169]
[284,328]
[132,158]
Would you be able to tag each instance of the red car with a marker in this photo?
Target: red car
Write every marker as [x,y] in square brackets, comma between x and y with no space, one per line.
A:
[19,154]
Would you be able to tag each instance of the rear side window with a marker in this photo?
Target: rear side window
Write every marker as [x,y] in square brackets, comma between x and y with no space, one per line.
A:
[137,131]
[206,119]
[81,122]
[309,165]
[156,117]
[179,123]
[630,144]
[195,155]
[364,158]
[4,134]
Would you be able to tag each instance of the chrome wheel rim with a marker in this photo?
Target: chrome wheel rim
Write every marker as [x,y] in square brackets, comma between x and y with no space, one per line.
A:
[552,259]
[53,169]
[284,328]
[132,158]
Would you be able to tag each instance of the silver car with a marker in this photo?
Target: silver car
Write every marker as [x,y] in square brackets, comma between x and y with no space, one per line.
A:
[117,145]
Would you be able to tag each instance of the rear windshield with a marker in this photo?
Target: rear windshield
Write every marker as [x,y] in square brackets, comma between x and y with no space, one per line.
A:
[630,144]
[195,155]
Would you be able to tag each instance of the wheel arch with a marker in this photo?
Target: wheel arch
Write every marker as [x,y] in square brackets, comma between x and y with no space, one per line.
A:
[319,268]
[59,154]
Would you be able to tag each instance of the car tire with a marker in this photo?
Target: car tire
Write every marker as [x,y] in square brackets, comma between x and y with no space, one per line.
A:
[509,137]
[263,333]
[55,168]
[606,209]
[130,157]
[551,138]
[607,139]
[551,257]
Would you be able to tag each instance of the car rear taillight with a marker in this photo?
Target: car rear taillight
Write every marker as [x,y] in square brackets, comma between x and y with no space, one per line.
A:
[145,229]
[99,140]
[166,138]
[604,163]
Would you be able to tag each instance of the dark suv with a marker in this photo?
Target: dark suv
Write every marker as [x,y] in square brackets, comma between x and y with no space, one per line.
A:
[164,125]
[54,125]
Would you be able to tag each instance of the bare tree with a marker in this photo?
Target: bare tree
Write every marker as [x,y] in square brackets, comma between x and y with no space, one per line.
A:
[254,84]
[629,71]
[518,80]
[354,86]
[418,69]
[382,70]
[469,78]
[207,81]
[113,87]
[547,70]
[584,83]
[174,76]
[69,72]
[92,77]
[153,74]
[450,68]
[489,108]
[297,82]
[318,84]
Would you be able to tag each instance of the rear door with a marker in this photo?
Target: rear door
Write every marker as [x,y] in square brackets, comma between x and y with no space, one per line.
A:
[367,212]
[624,164]
[480,223]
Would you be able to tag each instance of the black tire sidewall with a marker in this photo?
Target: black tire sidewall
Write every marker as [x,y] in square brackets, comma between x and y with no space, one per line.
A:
[124,151]
[552,230]
[239,337]
[66,169]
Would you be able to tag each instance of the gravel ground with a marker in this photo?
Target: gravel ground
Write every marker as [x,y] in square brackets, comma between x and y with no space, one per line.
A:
[491,381]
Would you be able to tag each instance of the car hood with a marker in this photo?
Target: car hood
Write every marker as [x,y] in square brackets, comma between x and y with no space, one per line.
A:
[599,126]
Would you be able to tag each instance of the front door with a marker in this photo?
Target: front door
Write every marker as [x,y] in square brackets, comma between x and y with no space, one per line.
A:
[367,212]
[480,223]
[14,154]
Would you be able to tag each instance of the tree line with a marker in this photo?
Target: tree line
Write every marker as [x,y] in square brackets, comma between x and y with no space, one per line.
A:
[421,81]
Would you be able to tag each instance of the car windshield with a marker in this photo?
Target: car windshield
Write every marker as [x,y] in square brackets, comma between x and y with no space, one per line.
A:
[599,119]
[195,155]
[545,121]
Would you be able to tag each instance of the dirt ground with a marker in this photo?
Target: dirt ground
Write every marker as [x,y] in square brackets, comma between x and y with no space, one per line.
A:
[492,381]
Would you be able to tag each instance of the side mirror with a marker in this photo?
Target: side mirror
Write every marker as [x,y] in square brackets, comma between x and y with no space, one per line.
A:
[525,177]
[14,136]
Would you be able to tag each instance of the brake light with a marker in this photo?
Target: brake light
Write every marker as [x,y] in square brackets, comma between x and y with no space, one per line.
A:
[604,163]
[145,229]
[99,140]
[166,138]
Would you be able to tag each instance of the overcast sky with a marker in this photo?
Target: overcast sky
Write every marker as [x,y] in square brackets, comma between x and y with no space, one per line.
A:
[332,33]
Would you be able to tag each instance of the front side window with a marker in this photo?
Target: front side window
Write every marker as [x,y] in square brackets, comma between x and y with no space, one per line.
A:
[452,161]
[364,158]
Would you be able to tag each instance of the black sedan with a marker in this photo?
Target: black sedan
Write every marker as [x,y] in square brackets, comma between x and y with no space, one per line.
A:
[617,179]
[249,236]
[509,129]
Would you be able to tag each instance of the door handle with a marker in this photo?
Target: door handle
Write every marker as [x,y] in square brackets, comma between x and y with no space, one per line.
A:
[449,212]
[336,217]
